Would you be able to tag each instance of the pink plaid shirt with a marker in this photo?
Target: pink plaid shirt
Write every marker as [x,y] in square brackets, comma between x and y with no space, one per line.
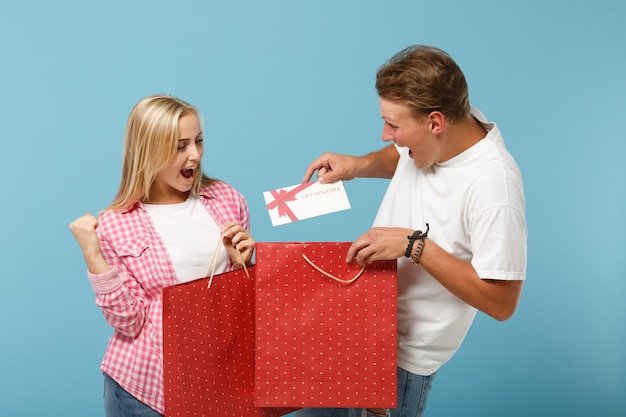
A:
[130,295]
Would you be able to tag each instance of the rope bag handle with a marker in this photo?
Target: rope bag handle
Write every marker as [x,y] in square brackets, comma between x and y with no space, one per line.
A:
[342,281]
[213,262]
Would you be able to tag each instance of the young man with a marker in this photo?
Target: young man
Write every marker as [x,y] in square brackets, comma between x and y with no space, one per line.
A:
[453,216]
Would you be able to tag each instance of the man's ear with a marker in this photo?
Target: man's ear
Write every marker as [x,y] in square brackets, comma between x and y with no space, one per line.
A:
[436,121]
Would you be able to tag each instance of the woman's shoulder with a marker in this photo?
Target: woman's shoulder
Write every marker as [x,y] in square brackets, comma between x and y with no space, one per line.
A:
[218,189]
[116,222]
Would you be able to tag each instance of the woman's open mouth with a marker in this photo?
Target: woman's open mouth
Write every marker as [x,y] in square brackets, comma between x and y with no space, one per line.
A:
[187,172]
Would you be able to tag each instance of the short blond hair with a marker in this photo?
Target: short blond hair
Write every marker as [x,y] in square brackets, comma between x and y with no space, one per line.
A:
[150,143]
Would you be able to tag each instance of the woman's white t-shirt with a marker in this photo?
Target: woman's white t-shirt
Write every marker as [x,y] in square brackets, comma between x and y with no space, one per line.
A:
[191,237]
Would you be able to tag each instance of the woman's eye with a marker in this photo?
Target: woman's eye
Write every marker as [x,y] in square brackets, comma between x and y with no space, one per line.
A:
[199,141]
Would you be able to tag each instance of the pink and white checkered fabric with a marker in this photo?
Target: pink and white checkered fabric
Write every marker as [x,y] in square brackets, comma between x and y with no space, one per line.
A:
[130,295]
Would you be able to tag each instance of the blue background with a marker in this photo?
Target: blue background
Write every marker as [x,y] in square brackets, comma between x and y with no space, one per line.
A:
[279,82]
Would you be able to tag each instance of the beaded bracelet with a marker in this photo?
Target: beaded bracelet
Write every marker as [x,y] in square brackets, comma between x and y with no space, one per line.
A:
[417,235]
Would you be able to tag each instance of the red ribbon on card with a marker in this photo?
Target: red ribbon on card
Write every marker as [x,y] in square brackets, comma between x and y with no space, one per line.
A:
[281,197]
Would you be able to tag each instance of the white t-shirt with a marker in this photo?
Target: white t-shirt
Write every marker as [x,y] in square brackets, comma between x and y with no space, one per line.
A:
[191,237]
[474,204]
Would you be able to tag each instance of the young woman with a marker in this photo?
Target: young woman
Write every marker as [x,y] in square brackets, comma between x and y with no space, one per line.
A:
[163,227]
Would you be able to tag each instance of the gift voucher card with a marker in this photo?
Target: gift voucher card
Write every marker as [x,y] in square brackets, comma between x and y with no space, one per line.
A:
[301,201]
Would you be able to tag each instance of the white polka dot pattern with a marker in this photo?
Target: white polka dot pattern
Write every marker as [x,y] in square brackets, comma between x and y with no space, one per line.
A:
[209,348]
[320,343]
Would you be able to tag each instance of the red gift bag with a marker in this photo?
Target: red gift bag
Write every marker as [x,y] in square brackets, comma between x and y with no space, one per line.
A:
[325,329]
[208,348]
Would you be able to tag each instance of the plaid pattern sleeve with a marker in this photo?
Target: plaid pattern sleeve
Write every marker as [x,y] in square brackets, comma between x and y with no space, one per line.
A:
[130,295]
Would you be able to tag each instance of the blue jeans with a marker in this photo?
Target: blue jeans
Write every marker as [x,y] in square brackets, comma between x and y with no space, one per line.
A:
[119,403]
[412,395]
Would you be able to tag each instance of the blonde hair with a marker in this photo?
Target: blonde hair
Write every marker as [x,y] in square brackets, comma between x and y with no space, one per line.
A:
[150,143]
[425,79]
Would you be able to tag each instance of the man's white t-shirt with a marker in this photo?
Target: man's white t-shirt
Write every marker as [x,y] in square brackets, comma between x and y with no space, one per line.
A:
[474,204]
